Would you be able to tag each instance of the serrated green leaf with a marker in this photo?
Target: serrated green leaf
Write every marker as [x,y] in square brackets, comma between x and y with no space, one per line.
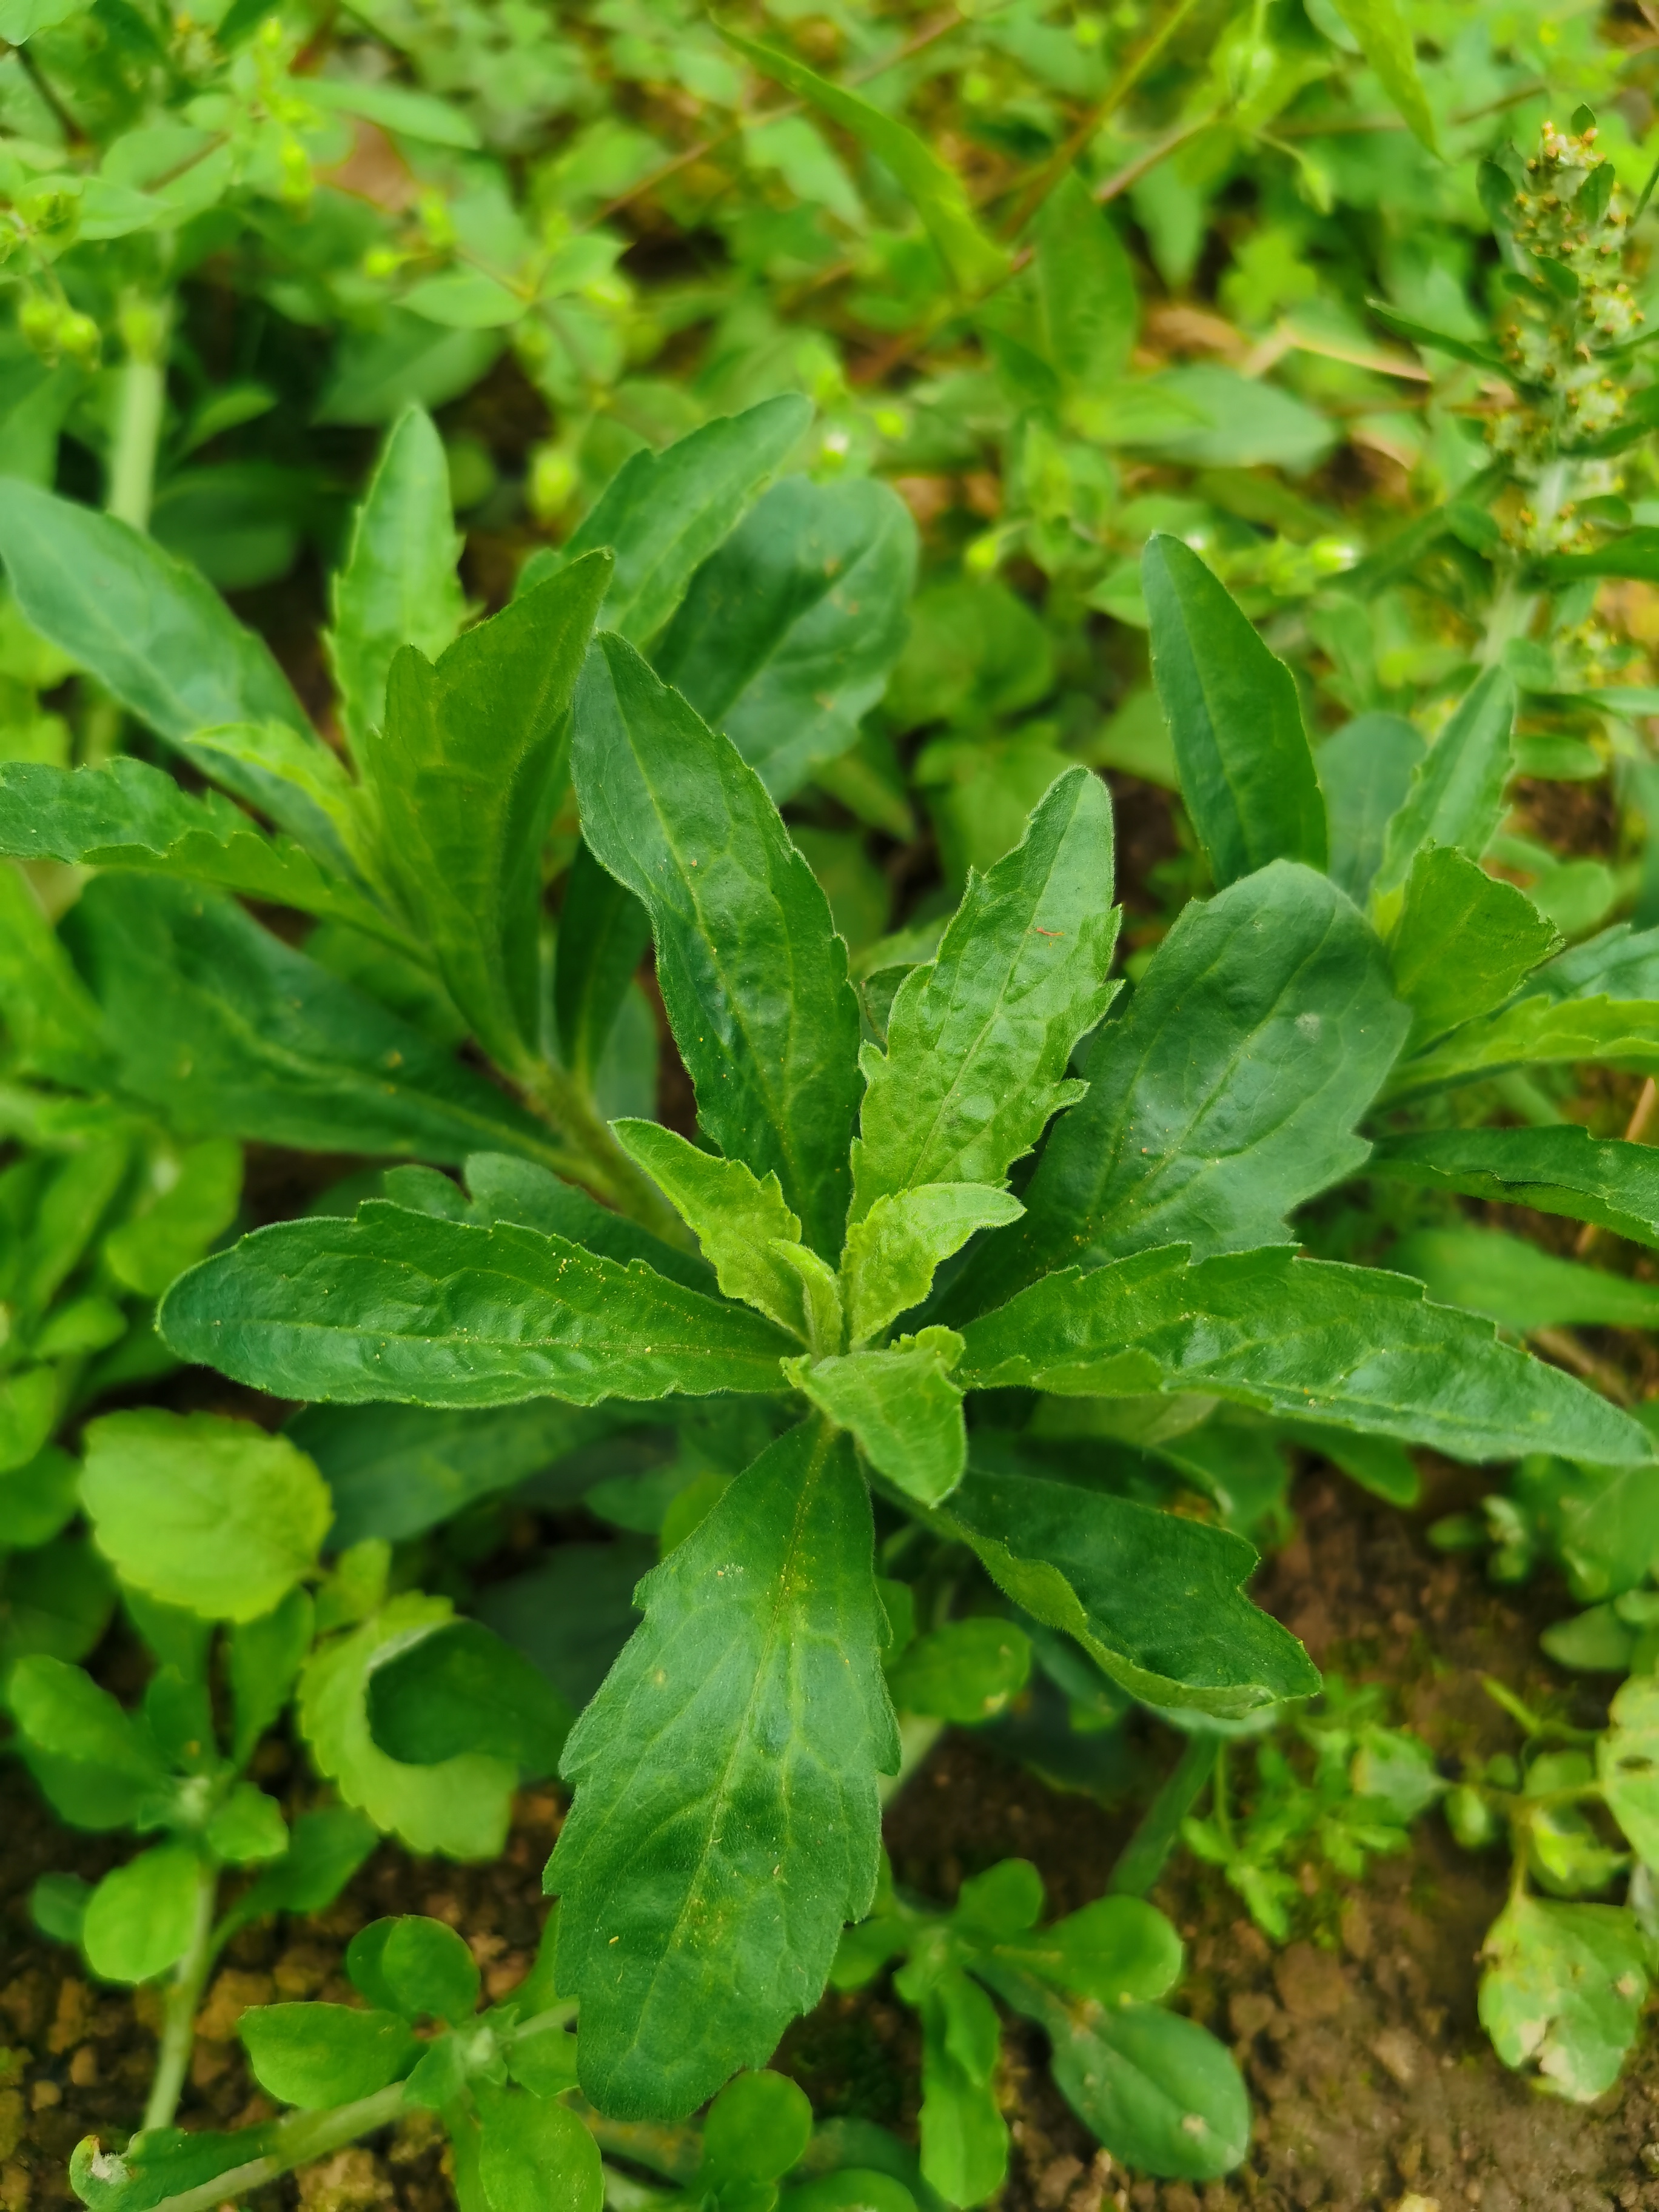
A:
[892,1253]
[725,1821]
[663,514]
[752,975]
[459,1808]
[1563,1991]
[1247,772]
[465,772]
[604,931]
[1224,1097]
[127,815]
[315,2055]
[1090,310]
[1516,1285]
[737,1218]
[231,1032]
[1463,941]
[1563,1170]
[974,261]
[1155,1599]
[979,1039]
[397,584]
[1456,793]
[1350,1346]
[1386,42]
[901,1405]
[397,1305]
[215,1516]
[790,629]
[1536,1031]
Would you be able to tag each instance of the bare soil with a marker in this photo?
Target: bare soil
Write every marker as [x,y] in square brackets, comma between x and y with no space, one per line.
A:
[1372,2083]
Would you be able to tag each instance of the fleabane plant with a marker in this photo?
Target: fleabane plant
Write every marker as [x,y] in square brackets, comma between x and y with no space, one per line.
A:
[726,1819]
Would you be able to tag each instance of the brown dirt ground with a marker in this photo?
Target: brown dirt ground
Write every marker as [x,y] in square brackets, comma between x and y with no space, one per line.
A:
[1369,2072]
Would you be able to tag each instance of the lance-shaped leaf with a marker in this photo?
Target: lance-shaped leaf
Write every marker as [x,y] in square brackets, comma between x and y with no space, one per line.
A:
[152,630]
[789,631]
[1620,963]
[937,193]
[752,973]
[978,1040]
[1225,1096]
[892,1253]
[1086,285]
[507,1188]
[725,1822]
[737,1218]
[1247,772]
[1353,1347]
[1537,1031]
[1457,794]
[663,514]
[1364,771]
[402,1306]
[398,586]
[465,772]
[603,934]
[126,814]
[1556,1170]
[230,1031]
[1462,943]
[1153,1598]
[902,1406]
[1519,1287]
[1386,42]
[1631,553]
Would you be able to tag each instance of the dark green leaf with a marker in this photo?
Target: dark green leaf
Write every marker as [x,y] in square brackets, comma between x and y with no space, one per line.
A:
[1247,773]
[664,513]
[1537,1031]
[752,975]
[126,814]
[1224,1097]
[756,2129]
[149,628]
[1462,943]
[1090,312]
[729,1763]
[325,1849]
[1556,1170]
[1364,771]
[1157,2089]
[1620,963]
[415,1965]
[229,1030]
[460,1688]
[316,2055]
[465,774]
[398,1305]
[505,1187]
[1456,794]
[398,584]
[604,931]
[262,1662]
[1421,334]
[1350,1346]
[978,1040]
[1518,1286]
[937,193]
[788,633]
[965,1672]
[1153,1599]
[1633,553]
[573,1614]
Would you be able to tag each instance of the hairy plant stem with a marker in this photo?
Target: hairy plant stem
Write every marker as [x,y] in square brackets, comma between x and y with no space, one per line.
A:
[598,1159]
[180,2005]
[1142,1858]
[145,327]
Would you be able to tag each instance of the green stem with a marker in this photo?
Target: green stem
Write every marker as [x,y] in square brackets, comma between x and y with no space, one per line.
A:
[183,1997]
[145,326]
[1142,1858]
[601,1160]
[293,2142]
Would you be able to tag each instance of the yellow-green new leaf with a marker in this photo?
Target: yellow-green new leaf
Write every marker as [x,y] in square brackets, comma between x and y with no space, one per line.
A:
[902,1406]
[735,1216]
[892,1254]
[974,261]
